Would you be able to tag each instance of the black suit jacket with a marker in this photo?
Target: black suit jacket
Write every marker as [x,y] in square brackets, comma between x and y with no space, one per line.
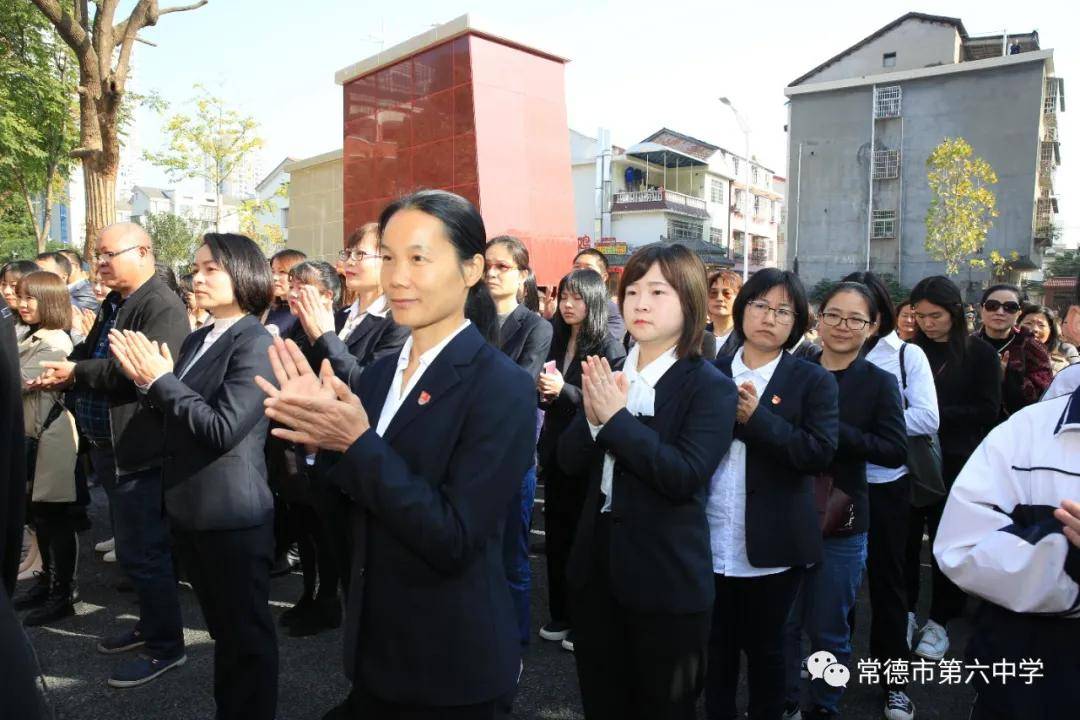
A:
[430,619]
[660,556]
[525,337]
[872,429]
[790,437]
[559,412]
[214,470]
[12,454]
[370,340]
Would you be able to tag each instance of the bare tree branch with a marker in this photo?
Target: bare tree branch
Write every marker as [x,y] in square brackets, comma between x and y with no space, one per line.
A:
[72,32]
[144,41]
[182,8]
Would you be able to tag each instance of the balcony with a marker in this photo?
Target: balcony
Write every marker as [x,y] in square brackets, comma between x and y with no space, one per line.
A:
[659,199]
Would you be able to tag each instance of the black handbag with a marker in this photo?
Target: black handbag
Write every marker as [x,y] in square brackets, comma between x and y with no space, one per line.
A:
[923,458]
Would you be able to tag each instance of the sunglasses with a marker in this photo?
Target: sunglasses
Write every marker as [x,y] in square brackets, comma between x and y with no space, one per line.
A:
[995,305]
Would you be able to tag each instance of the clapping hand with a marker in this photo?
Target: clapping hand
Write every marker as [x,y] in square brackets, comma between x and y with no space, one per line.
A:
[314,410]
[314,316]
[604,392]
[748,402]
[1069,516]
[57,375]
[141,359]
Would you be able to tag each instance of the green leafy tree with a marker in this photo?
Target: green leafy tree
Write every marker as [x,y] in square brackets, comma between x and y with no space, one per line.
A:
[963,206]
[1064,264]
[174,237]
[38,119]
[210,144]
[103,47]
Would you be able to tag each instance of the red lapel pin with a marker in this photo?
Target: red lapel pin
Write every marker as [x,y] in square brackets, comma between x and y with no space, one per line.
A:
[425,396]
[775,399]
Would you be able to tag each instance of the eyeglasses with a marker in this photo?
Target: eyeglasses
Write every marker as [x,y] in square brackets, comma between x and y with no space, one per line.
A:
[760,308]
[107,257]
[358,255]
[498,267]
[995,305]
[833,319]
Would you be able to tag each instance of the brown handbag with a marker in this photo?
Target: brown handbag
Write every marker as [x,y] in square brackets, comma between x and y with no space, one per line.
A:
[835,508]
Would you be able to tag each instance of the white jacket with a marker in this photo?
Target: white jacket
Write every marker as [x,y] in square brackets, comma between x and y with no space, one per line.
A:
[998,538]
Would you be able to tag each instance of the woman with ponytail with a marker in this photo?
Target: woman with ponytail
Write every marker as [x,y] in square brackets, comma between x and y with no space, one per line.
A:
[434,441]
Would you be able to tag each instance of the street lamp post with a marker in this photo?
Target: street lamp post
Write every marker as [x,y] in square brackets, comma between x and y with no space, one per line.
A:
[745,127]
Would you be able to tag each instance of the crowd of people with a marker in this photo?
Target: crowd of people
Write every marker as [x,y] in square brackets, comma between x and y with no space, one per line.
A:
[722,464]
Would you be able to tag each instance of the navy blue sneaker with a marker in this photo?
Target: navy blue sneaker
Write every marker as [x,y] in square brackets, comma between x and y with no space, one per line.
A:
[142,669]
[124,642]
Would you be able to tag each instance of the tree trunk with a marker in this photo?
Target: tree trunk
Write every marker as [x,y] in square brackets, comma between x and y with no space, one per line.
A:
[100,203]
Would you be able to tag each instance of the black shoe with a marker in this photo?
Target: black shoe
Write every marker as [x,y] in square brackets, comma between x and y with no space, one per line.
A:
[330,610]
[57,606]
[308,624]
[819,713]
[33,596]
[555,631]
[301,608]
[284,565]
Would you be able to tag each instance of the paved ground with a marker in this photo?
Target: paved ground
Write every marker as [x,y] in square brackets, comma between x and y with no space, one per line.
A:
[310,676]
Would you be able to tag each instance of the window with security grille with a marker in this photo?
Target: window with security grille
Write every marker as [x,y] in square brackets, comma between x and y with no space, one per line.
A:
[717,191]
[685,230]
[884,224]
[758,201]
[887,102]
[886,164]
[716,236]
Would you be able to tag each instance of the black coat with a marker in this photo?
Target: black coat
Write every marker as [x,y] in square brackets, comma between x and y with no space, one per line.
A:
[559,412]
[156,311]
[12,454]
[791,437]
[872,430]
[370,340]
[214,470]
[660,557]
[430,619]
[525,337]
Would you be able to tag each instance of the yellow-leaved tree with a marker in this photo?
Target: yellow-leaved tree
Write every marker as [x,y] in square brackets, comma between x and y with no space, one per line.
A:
[962,208]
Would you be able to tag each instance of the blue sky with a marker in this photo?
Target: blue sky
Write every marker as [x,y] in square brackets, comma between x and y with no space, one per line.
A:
[635,66]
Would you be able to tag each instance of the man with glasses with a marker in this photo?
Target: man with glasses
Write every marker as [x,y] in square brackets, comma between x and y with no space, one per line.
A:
[127,438]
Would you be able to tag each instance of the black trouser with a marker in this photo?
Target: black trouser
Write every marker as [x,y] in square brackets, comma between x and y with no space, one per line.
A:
[1000,635]
[230,573]
[946,599]
[564,497]
[749,616]
[885,560]
[362,705]
[333,511]
[56,535]
[634,664]
[317,562]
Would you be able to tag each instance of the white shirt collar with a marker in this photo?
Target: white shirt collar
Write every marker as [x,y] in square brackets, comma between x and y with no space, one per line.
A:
[765,371]
[893,339]
[218,327]
[429,356]
[379,308]
[652,372]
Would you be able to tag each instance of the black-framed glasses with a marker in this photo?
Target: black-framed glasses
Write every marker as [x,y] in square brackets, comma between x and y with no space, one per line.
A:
[760,308]
[834,319]
[358,255]
[1009,306]
[104,256]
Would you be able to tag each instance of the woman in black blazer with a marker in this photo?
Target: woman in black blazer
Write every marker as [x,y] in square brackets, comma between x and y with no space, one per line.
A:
[214,470]
[580,330]
[433,445]
[872,430]
[648,441]
[525,337]
[764,528]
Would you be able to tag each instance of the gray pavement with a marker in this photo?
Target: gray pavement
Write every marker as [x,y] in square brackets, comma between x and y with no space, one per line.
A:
[310,673]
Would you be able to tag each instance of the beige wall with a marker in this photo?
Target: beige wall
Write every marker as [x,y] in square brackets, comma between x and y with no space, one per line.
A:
[315,215]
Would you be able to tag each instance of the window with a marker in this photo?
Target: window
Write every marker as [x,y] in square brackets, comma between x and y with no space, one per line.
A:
[888,60]
[717,188]
[735,165]
[886,164]
[759,203]
[716,236]
[685,230]
[739,201]
[887,102]
[884,225]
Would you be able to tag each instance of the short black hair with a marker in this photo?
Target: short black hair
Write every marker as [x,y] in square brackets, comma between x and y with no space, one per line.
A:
[61,262]
[1021,296]
[319,273]
[74,256]
[943,292]
[246,265]
[759,284]
[860,289]
[1053,342]
[886,312]
[596,254]
[288,255]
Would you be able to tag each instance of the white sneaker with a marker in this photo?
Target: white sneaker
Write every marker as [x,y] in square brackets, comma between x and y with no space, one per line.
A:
[912,626]
[105,545]
[898,706]
[109,557]
[933,643]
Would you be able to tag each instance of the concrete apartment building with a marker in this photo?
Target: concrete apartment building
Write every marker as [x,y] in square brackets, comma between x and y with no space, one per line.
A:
[675,187]
[863,123]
